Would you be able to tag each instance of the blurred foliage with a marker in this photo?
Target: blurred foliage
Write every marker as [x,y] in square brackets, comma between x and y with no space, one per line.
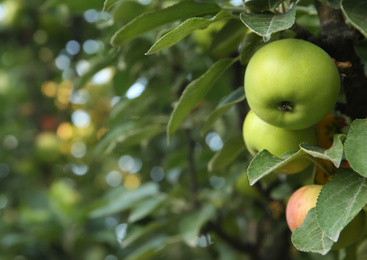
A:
[86,170]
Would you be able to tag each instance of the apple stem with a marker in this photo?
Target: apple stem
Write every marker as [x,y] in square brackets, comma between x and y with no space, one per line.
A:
[319,165]
[285,106]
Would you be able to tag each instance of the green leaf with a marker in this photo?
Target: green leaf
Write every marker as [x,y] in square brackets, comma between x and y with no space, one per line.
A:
[265,24]
[227,154]
[191,224]
[356,12]
[340,200]
[361,49]
[333,154]
[135,136]
[356,146]
[227,39]
[145,207]
[224,105]
[149,249]
[309,237]
[265,163]
[185,29]
[275,3]
[123,199]
[154,19]
[249,46]
[108,3]
[137,232]
[194,92]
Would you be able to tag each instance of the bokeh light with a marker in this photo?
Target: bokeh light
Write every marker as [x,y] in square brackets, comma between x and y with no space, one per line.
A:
[137,88]
[114,178]
[132,181]
[214,141]
[78,149]
[157,173]
[49,89]
[81,118]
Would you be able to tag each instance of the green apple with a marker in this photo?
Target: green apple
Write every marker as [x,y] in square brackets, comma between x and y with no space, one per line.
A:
[301,201]
[259,135]
[47,146]
[291,83]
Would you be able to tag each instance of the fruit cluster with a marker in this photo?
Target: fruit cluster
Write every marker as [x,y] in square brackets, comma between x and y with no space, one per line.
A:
[291,86]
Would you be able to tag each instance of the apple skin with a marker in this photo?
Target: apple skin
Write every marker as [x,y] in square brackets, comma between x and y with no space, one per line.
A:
[259,135]
[305,198]
[291,83]
[301,201]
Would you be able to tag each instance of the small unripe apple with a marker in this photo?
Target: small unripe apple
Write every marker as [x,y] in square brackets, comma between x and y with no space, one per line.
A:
[301,201]
[259,135]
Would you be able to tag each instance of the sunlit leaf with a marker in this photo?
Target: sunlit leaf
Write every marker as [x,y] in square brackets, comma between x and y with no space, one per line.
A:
[149,249]
[225,104]
[356,12]
[356,146]
[185,29]
[265,24]
[309,237]
[340,200]
[154,19]
[124,199]
[145,207]
[194,92]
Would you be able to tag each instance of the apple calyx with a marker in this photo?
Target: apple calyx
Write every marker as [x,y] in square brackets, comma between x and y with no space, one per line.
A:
[285,106]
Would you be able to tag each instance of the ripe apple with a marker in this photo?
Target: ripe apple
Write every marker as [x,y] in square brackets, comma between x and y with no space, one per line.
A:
[259,135]
[301,201]
[291,83]
[305,198]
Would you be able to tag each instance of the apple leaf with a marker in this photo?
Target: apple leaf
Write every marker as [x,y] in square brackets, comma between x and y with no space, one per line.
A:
[154,19]
[265,24]
[340,200]
[227,154]
[108,3]
[356,146]
[356,12]
[264,163]
[138,232]
[309,237]
[224,105]
[185,29]
[249,46]
[191,224]
[275,3]
[361,49]
[194,92]
[145,207]
[333,154]
[121,199]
